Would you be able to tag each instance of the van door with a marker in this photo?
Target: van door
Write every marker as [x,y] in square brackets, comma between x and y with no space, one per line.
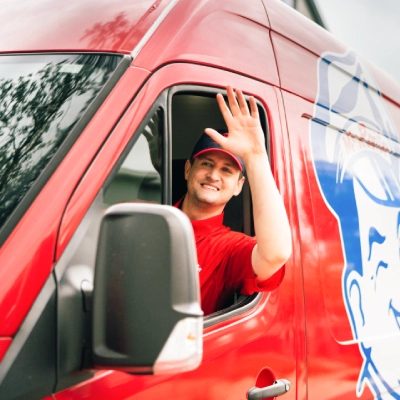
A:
[257,337]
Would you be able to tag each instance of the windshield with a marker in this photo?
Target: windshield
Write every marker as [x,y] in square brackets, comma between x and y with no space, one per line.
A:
[42,97]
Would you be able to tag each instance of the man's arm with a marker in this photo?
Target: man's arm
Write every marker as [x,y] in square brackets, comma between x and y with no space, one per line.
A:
[246,140]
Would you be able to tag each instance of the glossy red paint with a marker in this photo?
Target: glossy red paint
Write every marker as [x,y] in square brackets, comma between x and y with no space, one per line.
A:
[287,22]
[328,361]
[106,26]
[210,35]
[288,187]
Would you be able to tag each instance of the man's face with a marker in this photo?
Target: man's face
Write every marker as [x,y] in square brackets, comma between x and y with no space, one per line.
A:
[377,310]
[213,178]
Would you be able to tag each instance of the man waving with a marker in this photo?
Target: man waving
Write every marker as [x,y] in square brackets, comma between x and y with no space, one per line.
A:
[232,262]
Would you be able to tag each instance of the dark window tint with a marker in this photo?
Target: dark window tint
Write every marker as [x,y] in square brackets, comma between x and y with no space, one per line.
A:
[42,97]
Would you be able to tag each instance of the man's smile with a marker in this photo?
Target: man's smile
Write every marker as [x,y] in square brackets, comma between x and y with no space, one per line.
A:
[209,187]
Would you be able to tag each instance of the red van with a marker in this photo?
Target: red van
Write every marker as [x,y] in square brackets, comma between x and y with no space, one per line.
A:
[101,104]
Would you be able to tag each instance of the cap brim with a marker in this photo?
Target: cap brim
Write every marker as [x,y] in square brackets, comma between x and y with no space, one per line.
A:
[222,151]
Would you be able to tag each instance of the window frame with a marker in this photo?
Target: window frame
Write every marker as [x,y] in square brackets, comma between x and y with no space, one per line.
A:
[243,303]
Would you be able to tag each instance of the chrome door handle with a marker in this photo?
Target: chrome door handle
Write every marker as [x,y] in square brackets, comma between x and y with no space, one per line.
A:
[280,386]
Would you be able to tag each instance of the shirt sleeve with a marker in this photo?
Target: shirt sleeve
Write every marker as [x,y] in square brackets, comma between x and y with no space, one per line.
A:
[240,274]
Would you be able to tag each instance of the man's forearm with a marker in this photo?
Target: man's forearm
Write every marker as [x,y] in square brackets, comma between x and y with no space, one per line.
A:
[270,219]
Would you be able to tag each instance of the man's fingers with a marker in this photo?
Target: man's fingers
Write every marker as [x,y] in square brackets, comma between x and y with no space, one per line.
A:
[242,102]
[237,102]
[216,136]
[233,104]
[238,110]
[253,107]
[226,113]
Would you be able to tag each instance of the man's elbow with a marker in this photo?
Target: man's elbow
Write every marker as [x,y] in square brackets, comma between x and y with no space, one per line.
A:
[282,258]
[278,260]
[279,256]
[266,266]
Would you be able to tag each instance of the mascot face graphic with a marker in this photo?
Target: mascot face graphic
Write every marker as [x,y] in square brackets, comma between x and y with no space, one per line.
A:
[356,158]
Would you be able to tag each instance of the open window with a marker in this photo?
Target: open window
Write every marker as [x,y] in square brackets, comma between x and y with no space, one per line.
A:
[191,110]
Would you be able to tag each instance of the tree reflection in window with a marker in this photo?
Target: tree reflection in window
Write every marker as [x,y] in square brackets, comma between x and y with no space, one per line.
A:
[42,97]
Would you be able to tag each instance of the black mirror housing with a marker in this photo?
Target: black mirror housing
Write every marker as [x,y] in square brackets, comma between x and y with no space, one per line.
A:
[146,310]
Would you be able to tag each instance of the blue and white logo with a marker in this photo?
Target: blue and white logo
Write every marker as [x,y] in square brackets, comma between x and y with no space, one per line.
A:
[356,157]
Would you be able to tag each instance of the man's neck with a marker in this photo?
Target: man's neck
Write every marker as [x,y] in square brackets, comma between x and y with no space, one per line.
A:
[198,211]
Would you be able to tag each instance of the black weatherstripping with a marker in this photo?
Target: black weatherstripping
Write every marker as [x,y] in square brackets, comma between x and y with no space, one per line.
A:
[244,303]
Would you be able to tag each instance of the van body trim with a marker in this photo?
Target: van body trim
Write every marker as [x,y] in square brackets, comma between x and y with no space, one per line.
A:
[153,28]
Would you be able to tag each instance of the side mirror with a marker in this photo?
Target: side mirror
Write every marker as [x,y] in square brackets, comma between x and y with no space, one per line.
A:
[146,310]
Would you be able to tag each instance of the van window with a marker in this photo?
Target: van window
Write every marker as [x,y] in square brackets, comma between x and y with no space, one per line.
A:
[192,110]
[139,176]
[42,97]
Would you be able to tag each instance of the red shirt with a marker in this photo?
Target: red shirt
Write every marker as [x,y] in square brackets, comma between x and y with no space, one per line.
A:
[225,268]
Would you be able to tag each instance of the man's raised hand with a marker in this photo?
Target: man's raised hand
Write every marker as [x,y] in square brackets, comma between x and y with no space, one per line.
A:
[245,135]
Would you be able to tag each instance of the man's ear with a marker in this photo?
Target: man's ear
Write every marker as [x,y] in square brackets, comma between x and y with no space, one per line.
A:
[355,303]
[188,165]
[239,186]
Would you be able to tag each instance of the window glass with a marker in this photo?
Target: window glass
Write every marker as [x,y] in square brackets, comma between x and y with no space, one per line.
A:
[42,97]
[139,176]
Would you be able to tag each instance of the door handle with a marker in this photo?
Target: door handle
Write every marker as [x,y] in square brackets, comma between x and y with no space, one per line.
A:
[280,386]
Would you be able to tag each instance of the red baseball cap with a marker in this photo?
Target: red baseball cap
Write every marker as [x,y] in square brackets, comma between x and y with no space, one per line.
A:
[205,144]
